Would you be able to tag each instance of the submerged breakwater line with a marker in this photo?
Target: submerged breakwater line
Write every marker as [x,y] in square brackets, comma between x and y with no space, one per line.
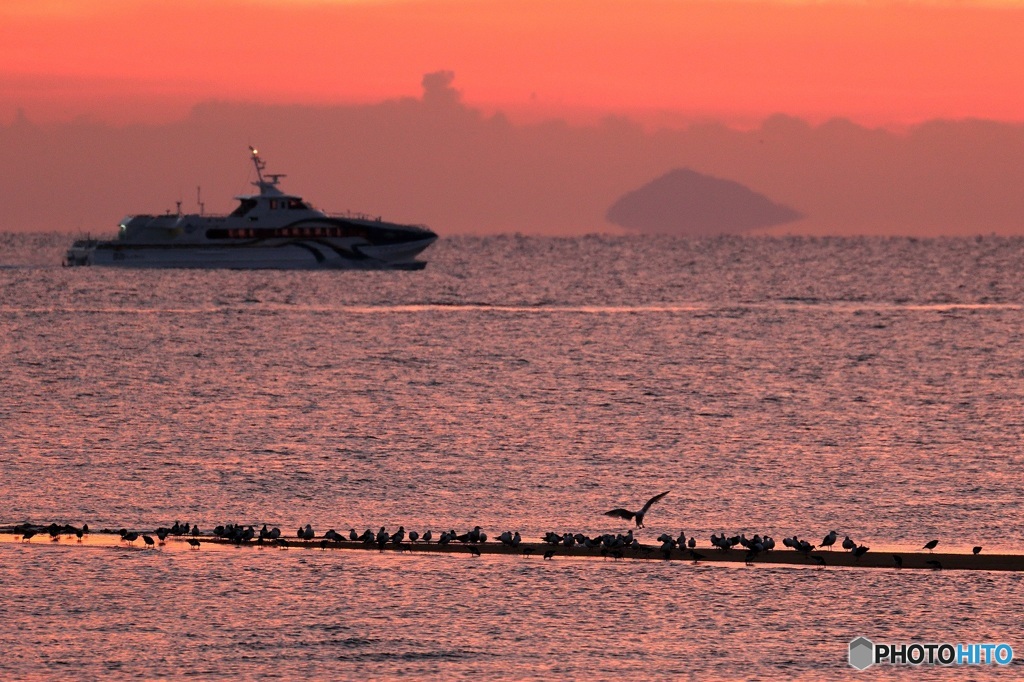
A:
[817,559]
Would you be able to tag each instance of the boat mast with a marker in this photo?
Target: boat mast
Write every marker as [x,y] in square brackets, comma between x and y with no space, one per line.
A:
[258,162]
[268,186]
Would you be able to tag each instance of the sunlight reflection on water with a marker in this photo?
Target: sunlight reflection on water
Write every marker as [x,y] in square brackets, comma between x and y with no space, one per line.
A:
[771,386]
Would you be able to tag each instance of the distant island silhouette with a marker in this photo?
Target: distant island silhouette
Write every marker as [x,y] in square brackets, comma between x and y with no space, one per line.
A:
[685,202]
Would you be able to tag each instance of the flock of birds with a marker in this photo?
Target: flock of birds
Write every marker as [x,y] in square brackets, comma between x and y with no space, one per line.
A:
[609,545]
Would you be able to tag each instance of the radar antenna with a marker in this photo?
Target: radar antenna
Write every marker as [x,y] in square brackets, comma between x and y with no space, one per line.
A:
[272,178]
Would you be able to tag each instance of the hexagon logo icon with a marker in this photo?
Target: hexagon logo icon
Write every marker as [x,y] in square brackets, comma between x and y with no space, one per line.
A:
[862,653]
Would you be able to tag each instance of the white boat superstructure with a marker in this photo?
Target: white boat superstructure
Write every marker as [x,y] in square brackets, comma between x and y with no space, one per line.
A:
[268,230]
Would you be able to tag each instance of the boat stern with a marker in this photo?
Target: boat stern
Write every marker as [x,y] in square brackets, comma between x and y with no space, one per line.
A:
[80,252]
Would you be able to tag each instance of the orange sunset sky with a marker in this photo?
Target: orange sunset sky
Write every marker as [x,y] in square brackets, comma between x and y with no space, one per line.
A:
[875,62]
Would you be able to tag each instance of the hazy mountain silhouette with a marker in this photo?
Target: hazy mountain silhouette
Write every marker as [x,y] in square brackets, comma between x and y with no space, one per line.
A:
[685,202]
[435,160]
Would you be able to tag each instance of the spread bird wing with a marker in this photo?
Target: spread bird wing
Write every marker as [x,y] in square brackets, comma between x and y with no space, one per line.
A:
[620,513]
[654,499]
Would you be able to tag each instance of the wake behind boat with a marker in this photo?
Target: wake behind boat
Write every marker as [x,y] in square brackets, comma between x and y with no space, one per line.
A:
[268,230]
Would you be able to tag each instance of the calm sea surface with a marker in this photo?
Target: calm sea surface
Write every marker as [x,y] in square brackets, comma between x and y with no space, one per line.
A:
[781,386]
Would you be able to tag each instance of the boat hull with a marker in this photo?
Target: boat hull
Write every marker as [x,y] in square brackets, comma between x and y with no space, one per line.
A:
[283,255]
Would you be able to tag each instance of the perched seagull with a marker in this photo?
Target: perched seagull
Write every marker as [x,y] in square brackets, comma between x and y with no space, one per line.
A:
[976,550]
[829,540]
[637,515]
[194,542]
[859,551]
[849,544]
[148,540]
[930,545]
[399,535]
[428,536]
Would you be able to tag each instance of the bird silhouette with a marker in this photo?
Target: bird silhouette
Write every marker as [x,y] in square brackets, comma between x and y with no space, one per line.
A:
[930,545]
[474,551]
[194,543]
[638,516]
[548,554]
[976,550]
[829,540]
[818,559]
[148,540]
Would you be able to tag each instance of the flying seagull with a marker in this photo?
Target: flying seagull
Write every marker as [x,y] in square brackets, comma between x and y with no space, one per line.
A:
[637,515]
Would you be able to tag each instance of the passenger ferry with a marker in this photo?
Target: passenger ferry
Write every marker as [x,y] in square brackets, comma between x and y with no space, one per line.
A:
[268,230]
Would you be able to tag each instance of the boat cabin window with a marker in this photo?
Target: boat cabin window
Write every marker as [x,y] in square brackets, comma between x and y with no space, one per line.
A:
[244,206]
[287,204]
[336,230]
